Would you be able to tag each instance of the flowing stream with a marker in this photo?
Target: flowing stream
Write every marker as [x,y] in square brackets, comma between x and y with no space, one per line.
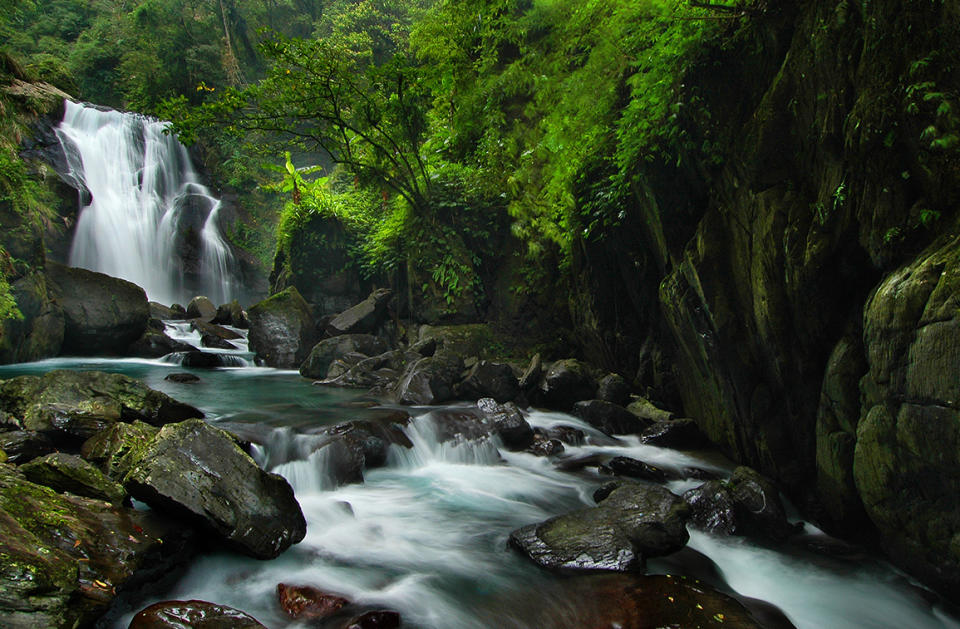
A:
[144,216]
[426,534]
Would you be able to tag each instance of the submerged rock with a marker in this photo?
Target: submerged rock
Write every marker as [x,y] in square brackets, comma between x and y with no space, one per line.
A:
[282,329]
[632,468]
[198,614]
[182,378]
[308,603]
[198,470]
[634,522]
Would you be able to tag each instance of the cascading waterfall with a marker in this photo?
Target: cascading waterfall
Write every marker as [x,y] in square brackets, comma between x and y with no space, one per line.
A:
[146,219]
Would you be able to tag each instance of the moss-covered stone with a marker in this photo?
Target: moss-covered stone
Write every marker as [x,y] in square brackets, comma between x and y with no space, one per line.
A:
[282,329]
[70,473]
[115,450]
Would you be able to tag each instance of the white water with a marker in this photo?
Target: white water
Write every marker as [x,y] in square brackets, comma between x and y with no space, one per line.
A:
[146,207]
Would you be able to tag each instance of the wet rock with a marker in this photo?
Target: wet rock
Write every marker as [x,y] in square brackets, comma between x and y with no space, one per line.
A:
[231,314]
[632,468]
[71,406]
[154,344]
[567,434]
[201,307]
[543,445]
[363,318]
[182,378]
[193,614]
[304,602]
[614,389]
[70,473]
[215,342]
[532,374]
[379,372]
[425,348]
[163,313]
[634,522]
[430,380]
[566,382]
[118,448]
[324,353]
[207,360]
[380,619]
[198,470]
[282,329]
[211,329]
[674,433]
[712,508]
[490,380]
[508,423]
[39,334]
[65,556]
[457,426]
[102,314]
[25,445]
[608,418]
[648,411]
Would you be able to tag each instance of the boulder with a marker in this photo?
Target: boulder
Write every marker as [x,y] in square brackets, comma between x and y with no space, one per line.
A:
[613,388]
[508,424]
[634,522]
[489,380]
[21,446]
[674,433]
[426,347]
[566,382]
[543,445]
[380,373]
[72,406]
[70,473]
[282,330]
[215,342]
[377,619]
[430,380]
[608,418]
[632,468]
[199,359]
[39,333]
[182,378]
[199,614]
[712,508]
[155,344]
[212,329]
[65,557]
[163,313]
[648,411]
[201,308]
[324,353]
[118,448]
[198,470]
[308,603]
[364,318]
[231,314]
[102,314]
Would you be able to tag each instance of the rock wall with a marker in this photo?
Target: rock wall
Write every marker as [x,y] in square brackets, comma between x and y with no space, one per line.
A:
[800,299]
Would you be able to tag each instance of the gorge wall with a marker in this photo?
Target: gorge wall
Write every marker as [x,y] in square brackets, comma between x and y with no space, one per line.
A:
[801,300]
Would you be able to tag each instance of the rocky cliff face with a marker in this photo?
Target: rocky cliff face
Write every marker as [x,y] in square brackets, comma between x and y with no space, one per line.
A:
[803,296]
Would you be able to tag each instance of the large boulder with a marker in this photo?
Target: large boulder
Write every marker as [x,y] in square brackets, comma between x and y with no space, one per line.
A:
[508,423]
[39,332]
[102,314]
[65,557]
[490,380]
[430,380]
[363,318]
[197,470]
[566,382]
[231,314]
[199,614]
[328,350]
[75,405]
[282,329]
[608,418]
[118,448]
[634,522]
[202,308]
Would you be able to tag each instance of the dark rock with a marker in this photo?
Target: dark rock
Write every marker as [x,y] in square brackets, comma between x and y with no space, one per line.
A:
[155,325]
[102,314]
[305,602]
[380,619]
[457,426]
[201,308]
[634,522]
[490,380]
[74,405]
[508,423]
[231,314]
[212,329]
[39,333]
[712,508]
[282,330]
[178,311]
[566,382]
[200,471]
[155,344]
[674,433]
[425,348]
[567,434]
[544,446]
[65,557]
[608,418]
[118,448]
[163,313]
[182,378]
[632,468]
[648,411]
[215,342]
[601,493]
[363,318]
[430,380]
[380,373]
[192,614]
[69,473]
[25,445]
[613,388]
[208,360]
[324,353]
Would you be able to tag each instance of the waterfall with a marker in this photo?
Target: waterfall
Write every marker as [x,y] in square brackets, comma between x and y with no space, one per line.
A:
[146,219]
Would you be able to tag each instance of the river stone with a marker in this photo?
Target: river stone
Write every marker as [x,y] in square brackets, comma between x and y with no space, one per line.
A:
[102,314]
[378,619]
[566,382]
[118,448]
[70,473]
[215,342]
[155,344]
[65,557]
[747,505]
[430,380]
[231,314]
[182,378]
[200,471]
[674,433]
[282,329]
[508,423]
[202,308]
[490,380]
[608,418]
[194,615]
[648,411]
[363,318]
[634,522]
[75,405]
[308,603]
[326,351]
[632,468]
[21,446]
[613,388]
[213,329]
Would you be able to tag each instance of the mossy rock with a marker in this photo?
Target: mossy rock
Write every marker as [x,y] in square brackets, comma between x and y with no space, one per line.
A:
[118,448]
[70,473]
[282,329]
